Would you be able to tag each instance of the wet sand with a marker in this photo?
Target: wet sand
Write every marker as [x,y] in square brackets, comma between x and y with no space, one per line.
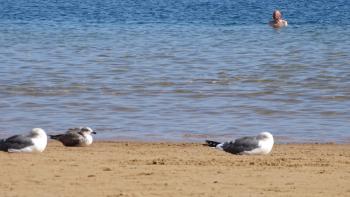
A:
[114,169]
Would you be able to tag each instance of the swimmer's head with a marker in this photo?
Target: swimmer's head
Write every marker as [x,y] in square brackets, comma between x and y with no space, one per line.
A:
[276,15]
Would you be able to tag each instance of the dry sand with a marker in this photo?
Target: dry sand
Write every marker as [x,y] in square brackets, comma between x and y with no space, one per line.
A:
[175,169]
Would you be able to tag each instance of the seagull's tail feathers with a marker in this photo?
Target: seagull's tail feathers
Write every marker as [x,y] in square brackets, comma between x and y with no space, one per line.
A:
[55,137]
[212,143]
[3,146]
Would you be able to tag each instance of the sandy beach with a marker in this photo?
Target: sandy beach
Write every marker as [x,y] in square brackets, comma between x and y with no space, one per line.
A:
[114,169]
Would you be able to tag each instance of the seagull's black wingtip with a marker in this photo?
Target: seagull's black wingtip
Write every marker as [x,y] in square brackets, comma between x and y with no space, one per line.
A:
[55,137]
[211,143]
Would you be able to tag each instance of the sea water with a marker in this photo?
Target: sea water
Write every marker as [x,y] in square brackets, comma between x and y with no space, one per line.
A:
[176,69]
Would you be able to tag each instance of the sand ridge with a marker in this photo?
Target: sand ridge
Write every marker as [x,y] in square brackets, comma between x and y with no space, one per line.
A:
[176,169]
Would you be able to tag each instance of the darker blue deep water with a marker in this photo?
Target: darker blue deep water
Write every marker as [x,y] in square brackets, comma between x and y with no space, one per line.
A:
[176,70]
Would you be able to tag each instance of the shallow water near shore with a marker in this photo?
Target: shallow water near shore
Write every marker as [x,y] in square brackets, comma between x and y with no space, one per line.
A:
[170,72]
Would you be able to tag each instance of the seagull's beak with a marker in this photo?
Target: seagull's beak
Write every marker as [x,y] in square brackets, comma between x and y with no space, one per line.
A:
[94,132]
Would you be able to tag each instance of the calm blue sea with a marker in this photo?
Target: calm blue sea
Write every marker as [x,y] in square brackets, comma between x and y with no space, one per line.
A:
[182,70]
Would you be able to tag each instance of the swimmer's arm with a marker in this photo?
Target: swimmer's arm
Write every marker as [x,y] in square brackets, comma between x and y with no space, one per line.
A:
[285,23]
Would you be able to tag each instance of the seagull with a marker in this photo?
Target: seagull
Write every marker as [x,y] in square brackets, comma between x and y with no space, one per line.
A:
[254,145]
[75,137]
[35,141]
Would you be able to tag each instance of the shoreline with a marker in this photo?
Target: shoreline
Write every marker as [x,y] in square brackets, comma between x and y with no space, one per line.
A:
[137,140]
[134,168]
[199,138]
[202,141]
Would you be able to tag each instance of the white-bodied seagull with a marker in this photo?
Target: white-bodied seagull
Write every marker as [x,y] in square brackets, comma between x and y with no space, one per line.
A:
[75,137]
[255,145]
[35,141]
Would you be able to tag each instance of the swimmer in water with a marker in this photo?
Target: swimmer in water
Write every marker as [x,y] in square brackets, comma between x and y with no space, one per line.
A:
[277,22]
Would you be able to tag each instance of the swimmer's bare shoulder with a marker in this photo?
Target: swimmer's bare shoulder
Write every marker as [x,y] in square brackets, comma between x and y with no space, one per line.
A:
[285,23]
[279,24]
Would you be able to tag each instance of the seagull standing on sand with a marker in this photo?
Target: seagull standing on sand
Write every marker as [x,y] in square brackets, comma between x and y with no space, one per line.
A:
[35,141]
[255,145]
[75,137]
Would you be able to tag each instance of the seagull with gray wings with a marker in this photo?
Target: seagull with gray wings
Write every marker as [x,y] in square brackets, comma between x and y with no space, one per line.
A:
[35,141]
[75,137]
[254,145]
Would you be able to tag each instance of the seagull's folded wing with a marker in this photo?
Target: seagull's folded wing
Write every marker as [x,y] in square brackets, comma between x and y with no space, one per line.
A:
[71,139]
[18,142]
[240,145]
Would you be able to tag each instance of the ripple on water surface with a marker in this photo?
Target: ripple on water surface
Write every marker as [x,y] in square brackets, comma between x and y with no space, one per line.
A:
[165,70]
